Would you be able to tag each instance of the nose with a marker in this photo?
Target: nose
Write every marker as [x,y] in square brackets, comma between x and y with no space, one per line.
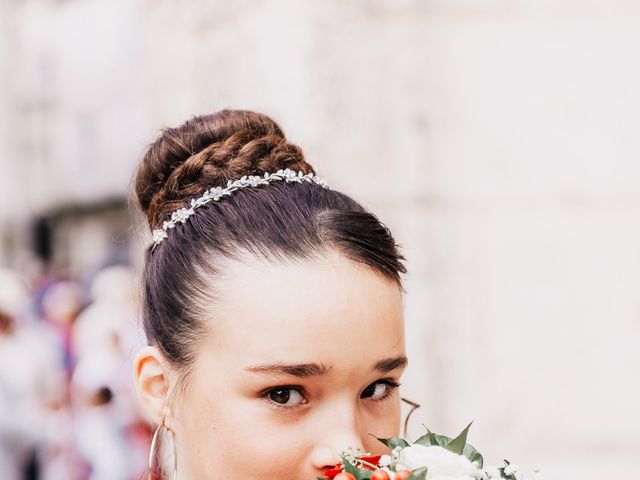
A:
[337,431]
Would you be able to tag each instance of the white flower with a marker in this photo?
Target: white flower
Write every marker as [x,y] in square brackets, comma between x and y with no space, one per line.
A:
[493,472]
[510,469]
[385,461]
[442,464]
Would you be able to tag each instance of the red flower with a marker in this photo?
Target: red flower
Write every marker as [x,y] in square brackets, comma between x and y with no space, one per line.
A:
[334,471]
[373,459]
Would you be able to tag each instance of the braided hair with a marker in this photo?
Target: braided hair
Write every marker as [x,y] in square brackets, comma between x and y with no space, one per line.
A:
[280,222]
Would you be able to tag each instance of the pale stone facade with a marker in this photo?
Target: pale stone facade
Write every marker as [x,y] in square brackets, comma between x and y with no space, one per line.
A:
[499,140]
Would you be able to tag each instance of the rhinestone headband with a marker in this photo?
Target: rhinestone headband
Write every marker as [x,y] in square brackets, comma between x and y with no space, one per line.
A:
[216,193]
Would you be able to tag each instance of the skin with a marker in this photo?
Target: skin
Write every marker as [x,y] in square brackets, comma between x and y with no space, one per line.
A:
[234,419]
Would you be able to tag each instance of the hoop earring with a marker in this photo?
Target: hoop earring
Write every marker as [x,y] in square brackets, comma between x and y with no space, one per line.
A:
[414,407]
[154,454]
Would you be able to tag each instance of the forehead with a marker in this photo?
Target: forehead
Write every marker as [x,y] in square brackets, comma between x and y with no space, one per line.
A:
[310,310]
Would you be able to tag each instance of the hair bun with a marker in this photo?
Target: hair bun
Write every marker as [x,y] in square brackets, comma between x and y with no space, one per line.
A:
[208,151]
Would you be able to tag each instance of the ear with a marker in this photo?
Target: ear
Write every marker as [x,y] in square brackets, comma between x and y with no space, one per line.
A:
[152,381]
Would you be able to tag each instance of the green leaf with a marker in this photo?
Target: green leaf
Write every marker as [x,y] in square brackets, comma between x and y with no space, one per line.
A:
[394,442]
[419,474]
[473,455]
[457,444]
[349,467]
[358,473]
[429,439]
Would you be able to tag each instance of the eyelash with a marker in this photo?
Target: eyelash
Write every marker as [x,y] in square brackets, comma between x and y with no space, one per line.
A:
[393,385]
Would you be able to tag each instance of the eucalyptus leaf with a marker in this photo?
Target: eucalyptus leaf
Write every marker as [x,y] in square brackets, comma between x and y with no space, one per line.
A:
[429,439]
[394,442]
[457,444]
[473,455]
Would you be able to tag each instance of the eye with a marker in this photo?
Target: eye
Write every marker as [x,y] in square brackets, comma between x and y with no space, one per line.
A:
[380,390]
[285,397]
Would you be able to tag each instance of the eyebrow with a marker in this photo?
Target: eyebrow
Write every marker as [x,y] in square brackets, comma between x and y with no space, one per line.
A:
[318,369]
[296,370]
[389,364]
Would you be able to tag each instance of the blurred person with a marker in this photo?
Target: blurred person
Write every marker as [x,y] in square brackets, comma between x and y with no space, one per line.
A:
[61,303]
[36,273]
[99,437]
[113,309]
[106,413]
[31,383]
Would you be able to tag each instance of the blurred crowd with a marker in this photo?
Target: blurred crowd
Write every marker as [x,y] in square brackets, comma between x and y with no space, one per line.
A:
[67,403]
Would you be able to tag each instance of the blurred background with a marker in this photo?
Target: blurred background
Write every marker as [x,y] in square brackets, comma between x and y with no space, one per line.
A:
[498,139]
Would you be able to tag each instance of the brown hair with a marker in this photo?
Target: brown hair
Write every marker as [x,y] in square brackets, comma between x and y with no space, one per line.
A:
[278,222]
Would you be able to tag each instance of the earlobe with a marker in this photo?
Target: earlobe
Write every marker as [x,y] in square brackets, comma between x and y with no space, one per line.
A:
[151,378]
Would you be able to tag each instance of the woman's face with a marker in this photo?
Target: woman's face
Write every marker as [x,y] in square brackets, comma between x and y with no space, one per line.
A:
[301,362]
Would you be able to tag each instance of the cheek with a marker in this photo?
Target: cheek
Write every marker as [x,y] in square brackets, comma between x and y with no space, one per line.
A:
[221,432]
[225,434]
[383,422]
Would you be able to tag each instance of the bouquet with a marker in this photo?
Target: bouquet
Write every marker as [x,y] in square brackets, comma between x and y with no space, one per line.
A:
[430,457]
